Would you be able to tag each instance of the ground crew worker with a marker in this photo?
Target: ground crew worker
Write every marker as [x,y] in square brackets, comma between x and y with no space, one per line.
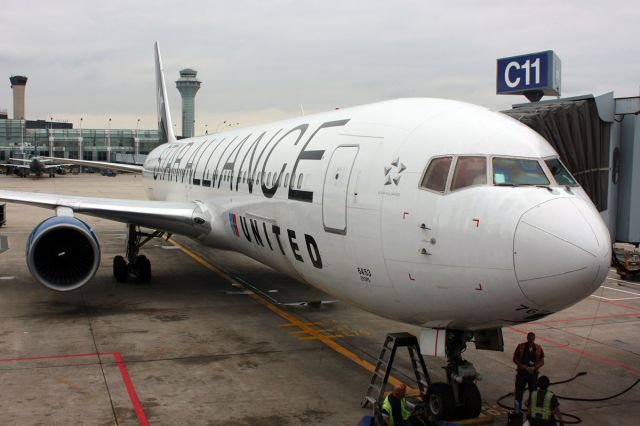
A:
[528,357]
[543,404]
[395,408]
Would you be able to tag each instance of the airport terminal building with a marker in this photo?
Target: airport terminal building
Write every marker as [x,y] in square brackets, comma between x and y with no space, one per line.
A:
[55,139]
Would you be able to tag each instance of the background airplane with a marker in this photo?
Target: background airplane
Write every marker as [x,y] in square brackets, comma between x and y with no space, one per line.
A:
[38,166]
[427,211]
[25,162]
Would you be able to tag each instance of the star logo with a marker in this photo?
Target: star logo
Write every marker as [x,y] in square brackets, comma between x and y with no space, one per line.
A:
[392,172]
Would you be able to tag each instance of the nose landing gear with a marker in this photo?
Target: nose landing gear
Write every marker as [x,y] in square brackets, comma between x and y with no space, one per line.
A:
[136,265]
[459,397]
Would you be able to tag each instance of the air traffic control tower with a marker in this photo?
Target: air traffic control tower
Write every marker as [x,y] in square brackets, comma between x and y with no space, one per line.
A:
[188,85]
[18,84]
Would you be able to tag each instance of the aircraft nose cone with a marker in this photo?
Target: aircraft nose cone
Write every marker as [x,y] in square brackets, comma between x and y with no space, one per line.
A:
[562,252]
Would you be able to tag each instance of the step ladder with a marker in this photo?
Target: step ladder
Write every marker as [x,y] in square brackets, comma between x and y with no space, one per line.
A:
[380,376]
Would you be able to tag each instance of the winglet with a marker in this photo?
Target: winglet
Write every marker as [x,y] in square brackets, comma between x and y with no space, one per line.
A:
[164,112]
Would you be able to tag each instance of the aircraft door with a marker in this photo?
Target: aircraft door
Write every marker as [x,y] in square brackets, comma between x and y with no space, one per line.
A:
[336,185]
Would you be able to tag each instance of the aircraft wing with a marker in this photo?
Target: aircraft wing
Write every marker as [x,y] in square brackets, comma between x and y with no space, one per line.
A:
[185,218]
[133,168]
[20,159]
[55,166]
[20,166]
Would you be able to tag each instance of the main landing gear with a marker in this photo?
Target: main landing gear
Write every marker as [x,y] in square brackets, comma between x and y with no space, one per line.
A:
[459,397]
[135,266]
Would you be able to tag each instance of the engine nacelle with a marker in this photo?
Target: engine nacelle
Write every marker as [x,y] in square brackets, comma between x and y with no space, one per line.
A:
[63,253]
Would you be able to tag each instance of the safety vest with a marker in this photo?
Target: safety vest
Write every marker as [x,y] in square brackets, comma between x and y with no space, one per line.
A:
[543,412]
[521,347]
[386,405]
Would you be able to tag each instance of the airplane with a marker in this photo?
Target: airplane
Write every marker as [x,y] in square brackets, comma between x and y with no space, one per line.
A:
[35,164]
[431,212]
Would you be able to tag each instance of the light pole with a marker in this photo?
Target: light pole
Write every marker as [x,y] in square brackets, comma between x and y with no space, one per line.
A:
[22,135]
[136,142]
[109,140]
[51,137]
[80,150]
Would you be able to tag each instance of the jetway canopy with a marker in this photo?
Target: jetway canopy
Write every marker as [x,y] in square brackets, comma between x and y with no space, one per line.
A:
[575,130]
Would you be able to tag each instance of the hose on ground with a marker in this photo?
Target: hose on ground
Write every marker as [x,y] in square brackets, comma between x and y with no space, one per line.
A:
[575,418]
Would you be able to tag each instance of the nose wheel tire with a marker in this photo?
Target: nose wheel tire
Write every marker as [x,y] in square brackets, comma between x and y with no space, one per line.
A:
[470,399]
[440,401]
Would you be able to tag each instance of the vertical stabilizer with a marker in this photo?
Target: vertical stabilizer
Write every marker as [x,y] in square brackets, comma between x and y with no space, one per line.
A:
[165,125]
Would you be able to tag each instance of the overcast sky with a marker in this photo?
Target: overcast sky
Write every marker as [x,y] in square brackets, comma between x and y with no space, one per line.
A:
[261,60]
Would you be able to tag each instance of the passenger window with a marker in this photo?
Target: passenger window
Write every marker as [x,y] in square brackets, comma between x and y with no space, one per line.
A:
[469,171]
[435,178]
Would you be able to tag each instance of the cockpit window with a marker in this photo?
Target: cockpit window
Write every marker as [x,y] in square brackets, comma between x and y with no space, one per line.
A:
[436,175]
[469,171]
[518,171]
[560,173]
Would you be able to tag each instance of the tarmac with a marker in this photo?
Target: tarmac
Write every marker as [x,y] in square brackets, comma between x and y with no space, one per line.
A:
[217,338]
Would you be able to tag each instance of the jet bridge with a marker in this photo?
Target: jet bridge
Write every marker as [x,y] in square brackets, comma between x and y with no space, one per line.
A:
[598,138]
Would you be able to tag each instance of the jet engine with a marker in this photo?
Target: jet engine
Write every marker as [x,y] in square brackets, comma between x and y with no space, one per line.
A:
[63,253]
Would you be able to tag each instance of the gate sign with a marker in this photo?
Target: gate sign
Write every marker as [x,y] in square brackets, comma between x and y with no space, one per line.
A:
[528,73]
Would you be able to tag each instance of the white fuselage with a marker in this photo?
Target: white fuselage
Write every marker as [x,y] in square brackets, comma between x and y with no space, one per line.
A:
[335,201]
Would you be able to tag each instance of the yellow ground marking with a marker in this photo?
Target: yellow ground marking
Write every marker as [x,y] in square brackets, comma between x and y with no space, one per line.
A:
[202,261]
[292,320]
[332,336]
[307,323]
[323,330]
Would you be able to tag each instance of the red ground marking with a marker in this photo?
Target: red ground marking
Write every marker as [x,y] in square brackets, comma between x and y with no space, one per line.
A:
[585,318]
[124,373]
[592,356]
